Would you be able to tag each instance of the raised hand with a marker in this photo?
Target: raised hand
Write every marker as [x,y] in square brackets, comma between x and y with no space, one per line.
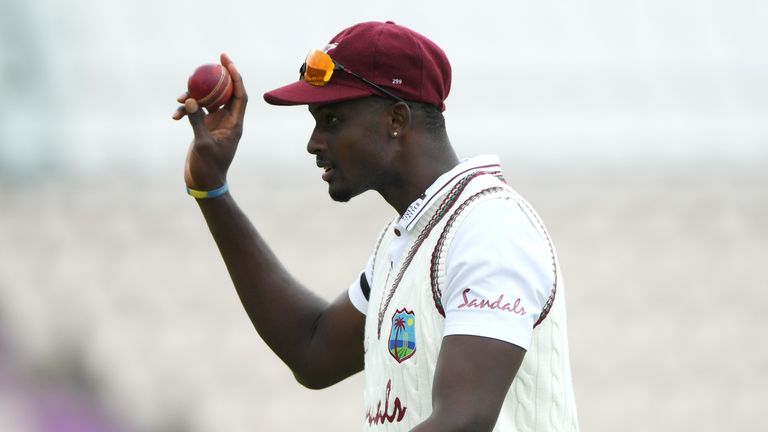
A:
[217,134]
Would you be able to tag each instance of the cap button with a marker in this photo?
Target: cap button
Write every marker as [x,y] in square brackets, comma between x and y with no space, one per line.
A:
[389,22]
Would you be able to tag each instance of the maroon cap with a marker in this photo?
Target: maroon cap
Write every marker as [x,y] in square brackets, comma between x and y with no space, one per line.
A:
[390,55]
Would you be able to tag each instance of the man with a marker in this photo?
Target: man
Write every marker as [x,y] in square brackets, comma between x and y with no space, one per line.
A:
[462,294]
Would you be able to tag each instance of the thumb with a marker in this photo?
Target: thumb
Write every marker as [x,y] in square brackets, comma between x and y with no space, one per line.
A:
[196,119]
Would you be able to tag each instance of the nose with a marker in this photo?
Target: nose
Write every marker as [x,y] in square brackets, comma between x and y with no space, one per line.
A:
[315,145]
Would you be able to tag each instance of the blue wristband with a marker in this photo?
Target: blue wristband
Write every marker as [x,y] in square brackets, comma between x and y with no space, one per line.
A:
[208,194]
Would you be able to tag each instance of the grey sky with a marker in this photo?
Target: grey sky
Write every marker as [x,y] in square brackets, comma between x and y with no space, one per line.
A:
[90,85]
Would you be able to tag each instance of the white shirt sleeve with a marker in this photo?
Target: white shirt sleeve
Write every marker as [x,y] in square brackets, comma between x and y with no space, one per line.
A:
[356,295]
[499,274]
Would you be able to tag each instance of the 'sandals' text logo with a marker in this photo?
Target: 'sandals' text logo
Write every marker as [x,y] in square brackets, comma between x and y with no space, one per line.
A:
[499,304]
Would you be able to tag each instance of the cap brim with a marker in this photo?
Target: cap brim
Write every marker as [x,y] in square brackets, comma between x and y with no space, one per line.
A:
[302,93]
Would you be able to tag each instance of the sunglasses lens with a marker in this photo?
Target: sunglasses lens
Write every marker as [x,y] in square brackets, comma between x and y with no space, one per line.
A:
[319,68]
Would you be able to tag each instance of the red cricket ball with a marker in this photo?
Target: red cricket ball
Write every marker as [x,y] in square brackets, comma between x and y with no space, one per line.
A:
[210,85]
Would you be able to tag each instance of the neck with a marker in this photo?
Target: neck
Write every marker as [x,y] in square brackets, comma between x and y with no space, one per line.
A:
[416,172]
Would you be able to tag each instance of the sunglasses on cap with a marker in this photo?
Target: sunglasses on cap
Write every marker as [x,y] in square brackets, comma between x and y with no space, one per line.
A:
[319,67]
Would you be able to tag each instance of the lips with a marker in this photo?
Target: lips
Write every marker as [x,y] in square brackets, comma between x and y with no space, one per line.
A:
[327,169]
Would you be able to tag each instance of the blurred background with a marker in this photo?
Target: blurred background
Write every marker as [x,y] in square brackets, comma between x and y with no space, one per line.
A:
[636,128]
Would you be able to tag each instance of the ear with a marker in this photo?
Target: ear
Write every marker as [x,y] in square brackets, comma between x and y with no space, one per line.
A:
[399,119]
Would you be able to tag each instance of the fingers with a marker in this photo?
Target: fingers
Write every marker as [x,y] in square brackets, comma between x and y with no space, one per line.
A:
[225,59]
[182,97]
[180,111]
[196,119]
[239,96]
[236,104]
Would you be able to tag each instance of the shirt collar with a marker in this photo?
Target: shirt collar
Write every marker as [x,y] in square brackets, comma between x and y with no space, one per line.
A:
[444,183]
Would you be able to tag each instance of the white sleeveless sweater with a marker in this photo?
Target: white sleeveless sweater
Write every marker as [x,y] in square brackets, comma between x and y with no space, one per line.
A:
[405,318]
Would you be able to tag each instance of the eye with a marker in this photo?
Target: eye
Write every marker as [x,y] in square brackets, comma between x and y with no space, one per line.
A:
[330,119]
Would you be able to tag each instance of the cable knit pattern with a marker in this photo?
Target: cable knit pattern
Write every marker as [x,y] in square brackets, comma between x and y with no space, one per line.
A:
[524,390]
[424,228]
[398,391]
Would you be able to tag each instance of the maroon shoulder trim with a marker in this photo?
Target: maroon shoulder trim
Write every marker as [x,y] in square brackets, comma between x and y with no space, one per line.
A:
[551,299]
[442,209]
[435,263]
[434,268]
[426,205]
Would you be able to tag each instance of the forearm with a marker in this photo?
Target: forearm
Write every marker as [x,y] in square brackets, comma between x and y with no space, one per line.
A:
[450,422]
[472,378]
[430,425]
[282,311]
[320,341]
